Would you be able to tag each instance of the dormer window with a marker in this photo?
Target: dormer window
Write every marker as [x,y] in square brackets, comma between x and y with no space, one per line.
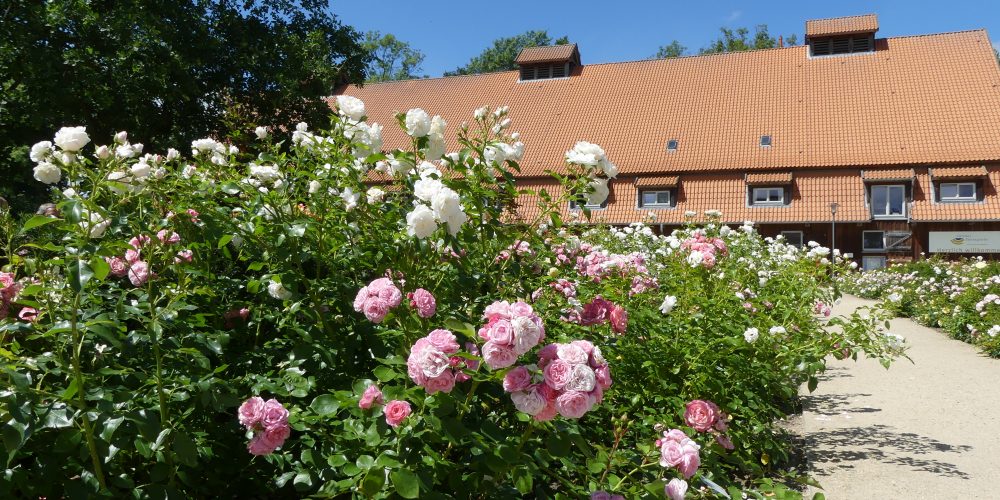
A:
[765,141]
[841,35]
[770,195]
[543,63]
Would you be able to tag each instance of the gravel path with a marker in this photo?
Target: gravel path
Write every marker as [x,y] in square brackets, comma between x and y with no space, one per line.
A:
[928,429]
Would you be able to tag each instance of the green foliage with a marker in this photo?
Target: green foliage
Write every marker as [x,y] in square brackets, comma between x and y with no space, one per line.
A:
[502,54]
[165,71]
[391,58]
[673,49]
[738,40]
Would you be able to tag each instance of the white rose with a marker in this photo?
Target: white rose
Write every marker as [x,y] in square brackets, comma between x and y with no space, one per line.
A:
[668,304]
[375,195]
[47,173]
[526,334]
[777,330]
[479,113]
[420,222]
[278,291]
[141,170]
[72,139]
[351,107]
[530,402]
[446,204]
[350,198]
[418,122]
[610,169]
[266,173]
[314,187]
[426,188]
[582,379]
[599,191]
[103,152]
[435,147]
[455,222]
[125,151]
[301,127]
[173,154]
[203,145]
[98,225]
[41,151]
[137,147]
[751,335]
[121,137]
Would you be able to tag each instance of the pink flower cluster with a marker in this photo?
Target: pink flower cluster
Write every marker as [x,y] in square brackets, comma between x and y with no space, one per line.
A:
[566,254]
[679,451]
[821,308]
[396,411]
[598,312]
[702,250]
[566,287]
[705,416]
[519,248]
[269,422]
[642,283]
[574,378]
[377,299]
[9,288]
[431,363]
[511,330]
[371,397]
[423,301]
[599,264]
[604,495]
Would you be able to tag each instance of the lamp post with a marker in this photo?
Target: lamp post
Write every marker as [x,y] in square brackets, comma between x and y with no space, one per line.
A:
[833,241]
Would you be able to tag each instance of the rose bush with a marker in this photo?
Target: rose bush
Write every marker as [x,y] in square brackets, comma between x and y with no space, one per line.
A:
[961,297]
[240,310]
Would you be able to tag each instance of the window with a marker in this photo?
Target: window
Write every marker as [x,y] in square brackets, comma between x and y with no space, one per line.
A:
[655,198]
[873,241]
[575,204]
[793,238]
[765,141]
[869,262]
[888,201]
[767,196]
[672,145]
[958,191]
[842,45]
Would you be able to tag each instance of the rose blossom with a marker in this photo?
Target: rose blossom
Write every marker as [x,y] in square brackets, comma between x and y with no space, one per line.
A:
[396,411]
[529,401]
[558,373]
[724,441]
[581,379]
[376,309]
[251,411]
[573,404]
[502,332]
[273,414]
[444,382]
[371,397]
[619,319]
[71,139]
[517,379]
[701,415]
[28,314]
[603,495]
[676,489]
[138,273]
[118,266]
[498,356]
[571,353]
[423,301]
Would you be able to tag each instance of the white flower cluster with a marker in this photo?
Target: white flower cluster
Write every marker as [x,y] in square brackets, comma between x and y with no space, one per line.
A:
[215,150]
[69,140]
[593,158]
[441,204]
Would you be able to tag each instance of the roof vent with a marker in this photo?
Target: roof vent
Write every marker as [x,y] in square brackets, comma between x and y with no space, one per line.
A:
[672,145]
[841,35]
[553,61]
[765,141]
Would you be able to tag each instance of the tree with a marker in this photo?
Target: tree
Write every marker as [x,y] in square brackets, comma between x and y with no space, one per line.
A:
[167,72]
[673,49]
[737,40]
[391,58]
[502,54]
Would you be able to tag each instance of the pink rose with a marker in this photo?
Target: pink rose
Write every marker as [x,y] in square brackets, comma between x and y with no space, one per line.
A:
[444,341]
[360,299]
[547,413]
[184,256]
[386,290]
[132,256]
[138,242]
[676,489]
[376,309]
[596,312]
[427,361]
[573,404]
[497,310]
[498,356]
[259,446]
[119,268]
[520,309]
[603,375]
[396,411]
[547,354]
[472,364]
[29,314]
[586,345]
[581,379]
[530,401]
[274,414]
[442,383]
[527,334]
[251,411]
[557,374]
[138,273]
[372,396]
[423,301]
[700,415]
[194,215]
[690,462]
[572,354]
[276,436]
[517,379]
[619,319]
[724,441]
[603,495]
[671,453]
[502,332]
[168,237]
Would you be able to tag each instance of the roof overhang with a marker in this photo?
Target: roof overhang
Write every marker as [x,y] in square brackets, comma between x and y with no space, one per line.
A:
[958,173]
[668,181]
[769,179]
[899,174]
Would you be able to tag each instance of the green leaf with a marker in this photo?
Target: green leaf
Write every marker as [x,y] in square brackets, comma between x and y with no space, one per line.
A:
[813,382]
[325,404]
[56,418]
[185,449]
[224,240]
[557,445]
[303,481]
[522,480]
[37,221]
[365,462]
[406,483]
[110,426]
[384,373]
[79,274]
[100,267]
[373,482]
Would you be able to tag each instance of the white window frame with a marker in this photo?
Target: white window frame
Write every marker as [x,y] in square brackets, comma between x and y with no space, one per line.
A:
[888,188]
[668,204]
[801,238]
[868,262]
[769,202]
[865,248]
[574,206]
[958,198]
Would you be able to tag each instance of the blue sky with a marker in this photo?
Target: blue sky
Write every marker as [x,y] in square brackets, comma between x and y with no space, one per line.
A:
[449,33]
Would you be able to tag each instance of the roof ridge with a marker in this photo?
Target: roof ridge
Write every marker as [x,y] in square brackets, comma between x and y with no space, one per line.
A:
[841,17]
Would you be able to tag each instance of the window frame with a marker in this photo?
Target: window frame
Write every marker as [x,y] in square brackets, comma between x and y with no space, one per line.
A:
[864,241]
[958,189]
[768,202]
[657,205]
[802,238]
[904,213]
[766,141]
[573,205]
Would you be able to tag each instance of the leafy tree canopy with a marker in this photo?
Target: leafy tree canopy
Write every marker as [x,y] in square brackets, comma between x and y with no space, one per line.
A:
[501,55]
[391,58]
[737,40]
[673,49]
[166,71]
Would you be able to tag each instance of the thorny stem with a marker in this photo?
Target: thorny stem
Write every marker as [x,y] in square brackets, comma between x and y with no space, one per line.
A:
[81,393]
[618,439]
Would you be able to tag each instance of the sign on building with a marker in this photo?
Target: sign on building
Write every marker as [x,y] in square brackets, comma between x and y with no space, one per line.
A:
[964,241]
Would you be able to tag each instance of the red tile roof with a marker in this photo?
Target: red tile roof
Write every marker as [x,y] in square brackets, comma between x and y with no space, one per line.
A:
[926,209]
[551,53]
[658,181]
[893,174]
[888,107]
[958,172]
[867,23]
[772,178]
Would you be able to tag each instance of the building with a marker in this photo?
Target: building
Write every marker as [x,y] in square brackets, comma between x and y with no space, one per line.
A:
[902,133]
